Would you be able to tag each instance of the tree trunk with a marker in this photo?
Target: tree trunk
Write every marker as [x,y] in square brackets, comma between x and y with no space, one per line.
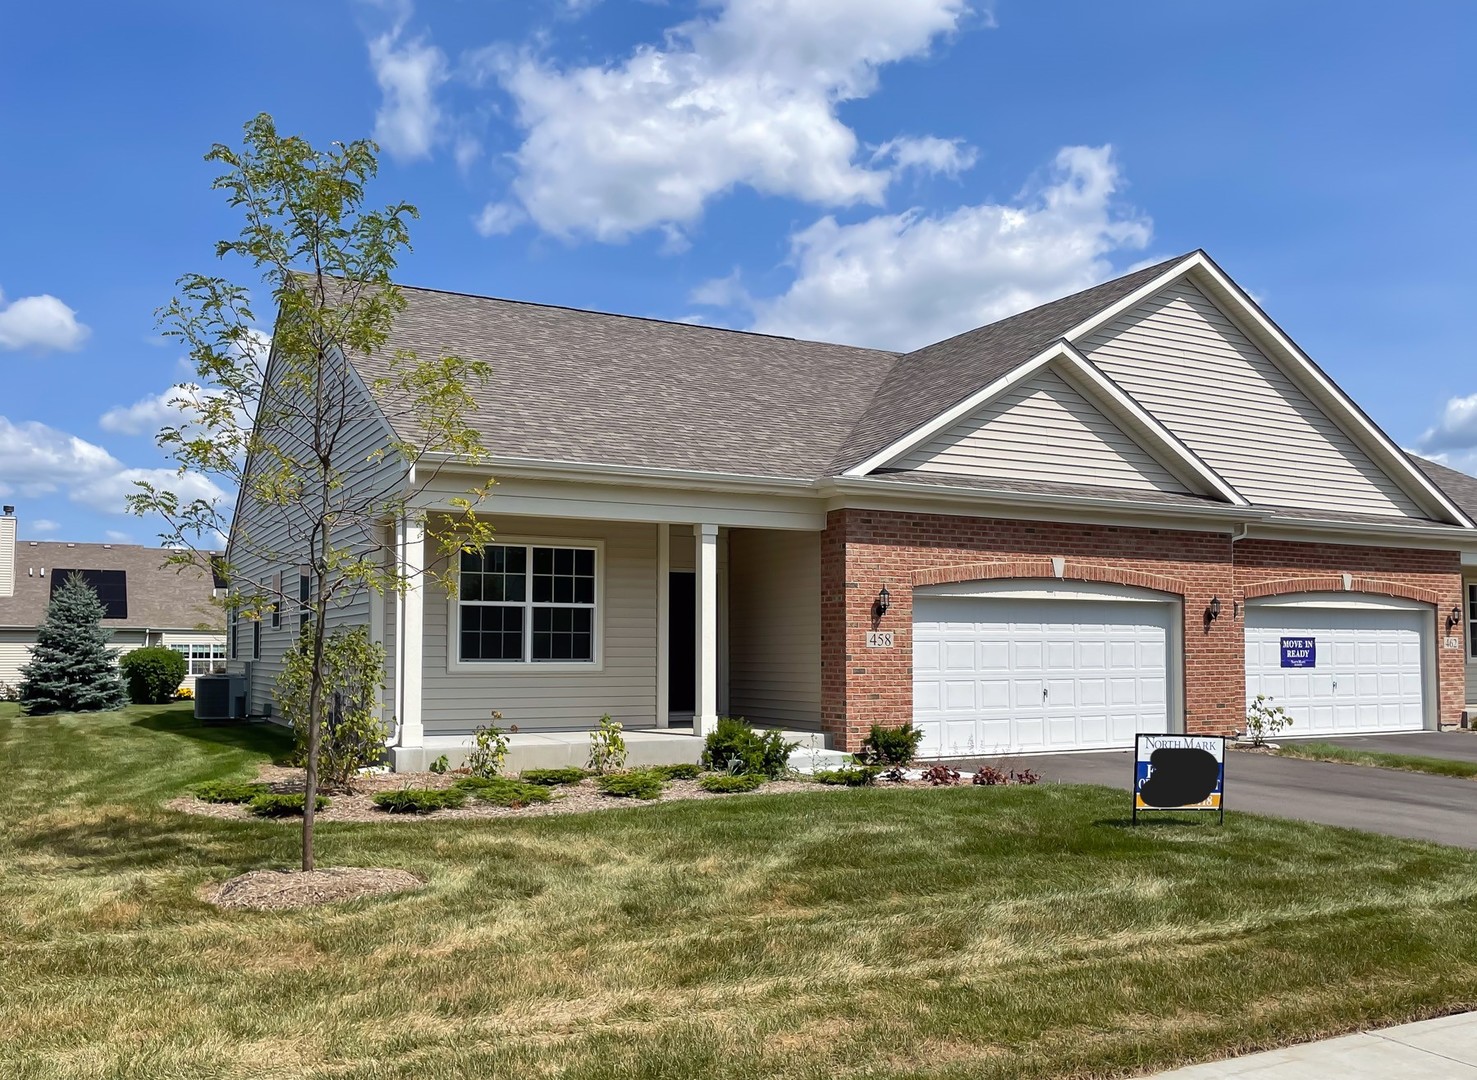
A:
[315,725]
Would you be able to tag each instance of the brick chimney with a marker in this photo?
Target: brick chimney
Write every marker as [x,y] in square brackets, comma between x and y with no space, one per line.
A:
[7,551]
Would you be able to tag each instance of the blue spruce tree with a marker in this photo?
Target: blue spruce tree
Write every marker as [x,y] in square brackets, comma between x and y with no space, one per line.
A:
[71,668]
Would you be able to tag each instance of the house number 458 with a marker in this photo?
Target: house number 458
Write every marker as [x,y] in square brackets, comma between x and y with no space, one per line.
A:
[879,639]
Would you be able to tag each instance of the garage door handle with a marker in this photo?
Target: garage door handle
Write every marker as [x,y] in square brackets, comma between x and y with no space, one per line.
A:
[1044,692]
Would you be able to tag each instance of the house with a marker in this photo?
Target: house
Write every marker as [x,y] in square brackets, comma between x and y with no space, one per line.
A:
[1126,510]
[147,602]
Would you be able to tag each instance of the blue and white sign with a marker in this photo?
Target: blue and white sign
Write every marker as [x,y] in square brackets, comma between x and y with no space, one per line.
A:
[1179,772]
[1299,652]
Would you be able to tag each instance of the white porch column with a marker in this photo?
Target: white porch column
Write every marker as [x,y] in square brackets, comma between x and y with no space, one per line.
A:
[663,623]
[408,642]
[705,714]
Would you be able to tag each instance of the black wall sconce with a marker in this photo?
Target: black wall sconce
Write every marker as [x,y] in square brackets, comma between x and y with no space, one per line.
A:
[1213,612]
[1453,617]
[883,602]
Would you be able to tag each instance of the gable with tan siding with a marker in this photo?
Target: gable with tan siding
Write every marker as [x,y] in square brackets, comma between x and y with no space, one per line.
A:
[1189,364]
[1043,430]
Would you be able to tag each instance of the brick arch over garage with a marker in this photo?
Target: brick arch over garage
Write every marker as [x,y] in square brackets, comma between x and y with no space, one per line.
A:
[1062,570]
[1337,583]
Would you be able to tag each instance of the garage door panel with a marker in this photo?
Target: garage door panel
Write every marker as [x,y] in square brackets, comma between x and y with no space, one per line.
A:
[1368,673]
[959,694]
[925,655]
[1067,674]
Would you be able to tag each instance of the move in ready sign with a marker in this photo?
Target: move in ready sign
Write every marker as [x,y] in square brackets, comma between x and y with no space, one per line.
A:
[1299,652]
[1179,772]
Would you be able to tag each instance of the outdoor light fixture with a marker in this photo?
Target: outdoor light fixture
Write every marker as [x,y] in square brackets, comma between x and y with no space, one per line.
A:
[1454,617]
[1213,612]
[884,601]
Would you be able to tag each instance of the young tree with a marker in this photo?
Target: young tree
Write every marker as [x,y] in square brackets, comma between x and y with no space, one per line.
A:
[71,668]
[279,424]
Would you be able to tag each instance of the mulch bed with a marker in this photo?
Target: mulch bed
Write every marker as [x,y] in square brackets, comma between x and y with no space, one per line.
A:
[359,806]
[280,890]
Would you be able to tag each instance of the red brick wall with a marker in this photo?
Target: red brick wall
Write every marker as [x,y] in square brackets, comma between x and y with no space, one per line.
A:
[864,550]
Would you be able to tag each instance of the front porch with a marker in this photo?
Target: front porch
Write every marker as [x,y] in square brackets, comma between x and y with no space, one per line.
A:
[664,627]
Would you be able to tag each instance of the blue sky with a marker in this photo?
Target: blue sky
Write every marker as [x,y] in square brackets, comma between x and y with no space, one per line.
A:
[880,172]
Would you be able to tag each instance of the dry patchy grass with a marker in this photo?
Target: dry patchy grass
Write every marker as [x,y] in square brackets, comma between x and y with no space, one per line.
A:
[980,932]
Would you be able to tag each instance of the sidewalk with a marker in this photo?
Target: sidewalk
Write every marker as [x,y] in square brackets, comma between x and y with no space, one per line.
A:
[1444,1049]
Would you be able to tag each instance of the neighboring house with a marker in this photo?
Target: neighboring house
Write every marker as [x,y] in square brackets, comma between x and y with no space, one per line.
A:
[147,603]
[1125,510]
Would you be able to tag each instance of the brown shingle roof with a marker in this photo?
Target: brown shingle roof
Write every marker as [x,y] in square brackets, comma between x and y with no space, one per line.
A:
[1459,487]
[159,597]
[580,386]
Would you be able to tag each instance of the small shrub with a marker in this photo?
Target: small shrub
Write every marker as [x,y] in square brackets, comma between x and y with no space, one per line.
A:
[941,775]
[153,674]
[895,746]
[683,771]
[573,774]
[489,750]
[724,784]
[503,791]
[9,692]
[184,693]
[989,776]
[850,776]
[351,731]
[419,800]
[1025,776]
[228,791]
[636,784]
[440,766]
[272,805]
[607,746]
[1264,719]
[734,746]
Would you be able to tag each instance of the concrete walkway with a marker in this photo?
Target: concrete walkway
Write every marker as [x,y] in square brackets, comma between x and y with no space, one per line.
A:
[1444,1049]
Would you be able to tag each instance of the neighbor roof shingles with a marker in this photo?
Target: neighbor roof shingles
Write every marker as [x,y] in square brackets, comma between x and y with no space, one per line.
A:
[584,387]
[160,597]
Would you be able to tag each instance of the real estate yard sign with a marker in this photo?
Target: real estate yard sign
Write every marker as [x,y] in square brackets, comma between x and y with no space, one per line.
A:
[1179,772]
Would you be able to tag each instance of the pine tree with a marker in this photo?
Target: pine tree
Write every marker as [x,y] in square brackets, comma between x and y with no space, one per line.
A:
[71,668]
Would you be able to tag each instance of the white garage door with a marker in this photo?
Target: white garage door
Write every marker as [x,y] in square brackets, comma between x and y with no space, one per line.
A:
[996,675]
[1339,671]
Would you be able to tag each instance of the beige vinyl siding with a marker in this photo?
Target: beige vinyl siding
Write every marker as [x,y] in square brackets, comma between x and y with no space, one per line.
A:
[1043,429]
[7,555]
[1186,362]
[535,696]
[774,625]
[263,543]
[15,649]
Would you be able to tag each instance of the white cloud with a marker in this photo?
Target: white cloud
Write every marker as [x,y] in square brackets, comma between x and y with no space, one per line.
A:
[144,417]
[498,218]
[117,537]
[1455,428]
[40,323]
[746,95]
[903,280]
[409,73]
[38,460]
[950,157]
[42,526]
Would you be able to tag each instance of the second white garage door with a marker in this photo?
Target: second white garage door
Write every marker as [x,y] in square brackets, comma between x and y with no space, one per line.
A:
[1339,669]
[999,675]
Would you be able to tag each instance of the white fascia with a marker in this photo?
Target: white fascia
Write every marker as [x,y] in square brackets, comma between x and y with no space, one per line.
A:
[1297,364]
[1163,446]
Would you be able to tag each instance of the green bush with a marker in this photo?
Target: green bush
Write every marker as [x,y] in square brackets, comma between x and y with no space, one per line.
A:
[850,777]
[441,766]
[891,746]
[573,774]
[503,791]
[419,800]
[489,750]
[225,791]
[270,805]
[353,667]
[607,746]
[723,784]
[636,784]
[734,746]
[153,674]
[685,771]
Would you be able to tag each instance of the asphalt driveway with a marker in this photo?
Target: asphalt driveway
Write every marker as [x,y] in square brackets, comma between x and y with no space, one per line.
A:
[1412,805]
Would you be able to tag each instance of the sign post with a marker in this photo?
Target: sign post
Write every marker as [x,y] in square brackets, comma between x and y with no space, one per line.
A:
[1179,772]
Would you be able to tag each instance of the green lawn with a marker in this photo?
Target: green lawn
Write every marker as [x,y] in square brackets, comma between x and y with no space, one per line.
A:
[1315,751]
[969,932]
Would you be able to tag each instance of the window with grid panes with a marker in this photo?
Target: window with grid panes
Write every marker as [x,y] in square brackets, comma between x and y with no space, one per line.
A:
[527,603]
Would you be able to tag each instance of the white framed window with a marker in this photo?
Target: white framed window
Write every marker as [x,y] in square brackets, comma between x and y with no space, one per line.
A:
[202,659]
[534,602]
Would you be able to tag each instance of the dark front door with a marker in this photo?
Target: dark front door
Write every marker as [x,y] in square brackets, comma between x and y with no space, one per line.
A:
[682,643]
